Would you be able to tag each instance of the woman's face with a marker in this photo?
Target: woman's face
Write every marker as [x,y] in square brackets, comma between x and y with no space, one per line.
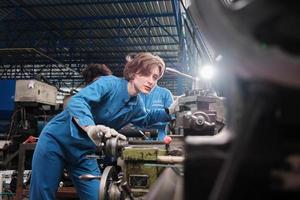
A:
[144,83]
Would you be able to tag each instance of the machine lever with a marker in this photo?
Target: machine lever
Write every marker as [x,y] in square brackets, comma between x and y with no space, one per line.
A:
[89,177]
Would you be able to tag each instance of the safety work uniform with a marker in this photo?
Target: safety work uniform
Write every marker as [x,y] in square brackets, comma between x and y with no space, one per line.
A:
[62,145]
[158,98]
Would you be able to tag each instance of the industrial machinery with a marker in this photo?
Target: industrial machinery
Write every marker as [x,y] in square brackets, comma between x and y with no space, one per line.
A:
[256,156]
[28,106]
[142,162]
[139,165]
[200,112]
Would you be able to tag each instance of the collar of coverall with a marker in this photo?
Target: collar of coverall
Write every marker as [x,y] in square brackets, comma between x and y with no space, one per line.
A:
[130,100]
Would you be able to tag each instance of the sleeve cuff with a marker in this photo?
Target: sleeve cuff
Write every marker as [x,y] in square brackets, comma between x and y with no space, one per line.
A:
[85,121]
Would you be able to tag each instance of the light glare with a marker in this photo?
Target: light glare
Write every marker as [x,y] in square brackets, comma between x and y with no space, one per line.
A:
[207,72]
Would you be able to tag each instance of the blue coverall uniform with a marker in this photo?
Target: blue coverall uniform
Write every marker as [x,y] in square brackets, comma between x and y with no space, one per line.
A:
[158,98]
[61,145]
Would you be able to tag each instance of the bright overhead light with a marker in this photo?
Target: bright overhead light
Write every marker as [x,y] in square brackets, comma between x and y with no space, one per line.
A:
[207,72]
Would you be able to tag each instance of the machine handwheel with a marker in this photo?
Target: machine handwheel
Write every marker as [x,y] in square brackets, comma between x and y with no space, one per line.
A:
[109,175]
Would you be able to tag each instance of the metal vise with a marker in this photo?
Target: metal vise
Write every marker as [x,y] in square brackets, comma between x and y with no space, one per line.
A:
[197,114]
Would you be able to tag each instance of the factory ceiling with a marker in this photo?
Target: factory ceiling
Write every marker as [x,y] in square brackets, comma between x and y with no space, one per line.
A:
[56,39]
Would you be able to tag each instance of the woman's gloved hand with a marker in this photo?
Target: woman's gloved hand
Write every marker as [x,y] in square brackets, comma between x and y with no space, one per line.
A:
[99,133]
[174,106]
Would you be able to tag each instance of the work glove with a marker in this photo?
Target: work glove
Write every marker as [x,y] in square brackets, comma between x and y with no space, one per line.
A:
[100,133]
[174,106]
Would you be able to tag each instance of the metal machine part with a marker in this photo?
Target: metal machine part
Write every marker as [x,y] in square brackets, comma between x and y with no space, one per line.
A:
[89,177]
[112,186]
[33,91]
[142,162]
[113,146]
[139,166]
[198,121]
[108,187]
[169,186]
[139,176]
[129,131]
[28,106]
[261,69]
[170,159]
[196,116]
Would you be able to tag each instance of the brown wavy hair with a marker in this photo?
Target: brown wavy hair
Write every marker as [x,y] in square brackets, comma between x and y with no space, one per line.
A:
[142,63]
[93,71]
